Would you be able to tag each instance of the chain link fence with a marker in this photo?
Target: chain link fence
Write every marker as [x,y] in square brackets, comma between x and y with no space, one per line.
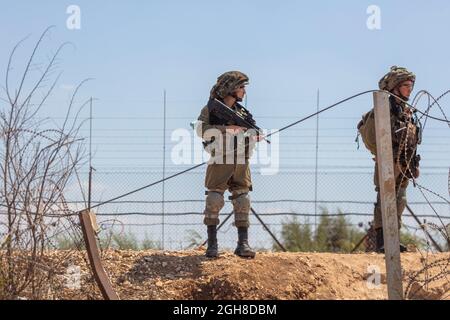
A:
[176,222]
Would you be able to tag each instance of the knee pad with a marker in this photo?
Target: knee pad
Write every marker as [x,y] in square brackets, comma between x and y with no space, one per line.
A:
[241,206]
[241,203]
[214,202]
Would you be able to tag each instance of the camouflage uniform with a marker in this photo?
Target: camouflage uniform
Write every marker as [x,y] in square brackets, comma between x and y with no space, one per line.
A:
[224,174]
[405,138]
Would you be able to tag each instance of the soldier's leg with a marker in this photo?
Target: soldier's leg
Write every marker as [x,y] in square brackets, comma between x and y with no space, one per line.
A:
[240,185]
[400,189]
[214,203]
[401,185]
[241,207]
[401,205]
[216,183]
[218,175]
[377,216]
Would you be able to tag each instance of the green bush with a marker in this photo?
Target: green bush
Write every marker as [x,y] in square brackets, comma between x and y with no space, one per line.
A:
[296,236]
[409,239]
[148,243]
[333,234]
[124,241]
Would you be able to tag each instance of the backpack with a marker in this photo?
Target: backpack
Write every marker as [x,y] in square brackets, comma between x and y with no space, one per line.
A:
[366,129]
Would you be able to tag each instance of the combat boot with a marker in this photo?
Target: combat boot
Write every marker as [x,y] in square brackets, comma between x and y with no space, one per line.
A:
[212,250]
[380,242]
[243,249]
[379,245]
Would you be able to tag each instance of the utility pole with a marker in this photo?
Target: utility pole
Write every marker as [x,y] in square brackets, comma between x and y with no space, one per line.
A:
[317,162]
[164,172]
[90,156]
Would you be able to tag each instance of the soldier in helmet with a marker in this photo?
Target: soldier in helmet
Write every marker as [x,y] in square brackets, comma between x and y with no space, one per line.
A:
[405,139]
[233,176]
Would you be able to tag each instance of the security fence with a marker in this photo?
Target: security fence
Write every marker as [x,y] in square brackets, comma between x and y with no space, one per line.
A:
[287,197]
[307,171]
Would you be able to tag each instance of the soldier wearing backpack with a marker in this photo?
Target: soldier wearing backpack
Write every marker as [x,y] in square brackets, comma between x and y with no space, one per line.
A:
[405,139]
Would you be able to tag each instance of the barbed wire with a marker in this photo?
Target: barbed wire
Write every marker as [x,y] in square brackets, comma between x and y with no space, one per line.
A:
[267,136]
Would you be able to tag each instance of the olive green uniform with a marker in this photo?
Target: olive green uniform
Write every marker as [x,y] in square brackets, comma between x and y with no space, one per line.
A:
[223,175]
[405,138]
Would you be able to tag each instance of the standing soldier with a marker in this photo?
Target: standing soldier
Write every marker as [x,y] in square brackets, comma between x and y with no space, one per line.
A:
[221,175]
[405,138]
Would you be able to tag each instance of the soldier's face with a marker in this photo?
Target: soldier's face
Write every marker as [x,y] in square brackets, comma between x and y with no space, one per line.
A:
[240,93]
[405,88]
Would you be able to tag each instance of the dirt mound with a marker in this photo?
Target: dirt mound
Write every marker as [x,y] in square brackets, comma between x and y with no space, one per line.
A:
[189,275]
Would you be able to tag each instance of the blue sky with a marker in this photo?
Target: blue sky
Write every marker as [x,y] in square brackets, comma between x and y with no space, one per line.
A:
[135,49]
[290,49]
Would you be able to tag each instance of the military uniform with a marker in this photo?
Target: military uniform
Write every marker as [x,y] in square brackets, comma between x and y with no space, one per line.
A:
[400,127]
[228,168]
[405,139]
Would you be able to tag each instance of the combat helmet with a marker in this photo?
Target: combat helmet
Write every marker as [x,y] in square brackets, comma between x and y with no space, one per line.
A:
[394,77]
[227,83]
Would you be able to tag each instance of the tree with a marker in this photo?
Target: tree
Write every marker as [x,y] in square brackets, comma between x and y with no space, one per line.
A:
[38,159]
[296,236]
[322,235]
[333,234]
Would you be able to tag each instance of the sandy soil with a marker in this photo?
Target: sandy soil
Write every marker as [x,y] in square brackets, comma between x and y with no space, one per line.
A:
[189,275]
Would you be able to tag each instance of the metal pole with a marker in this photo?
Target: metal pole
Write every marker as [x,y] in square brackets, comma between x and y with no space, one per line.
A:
[436,245]
[268,230]
[90,156]
[360,242]
[317,164]
[164,172]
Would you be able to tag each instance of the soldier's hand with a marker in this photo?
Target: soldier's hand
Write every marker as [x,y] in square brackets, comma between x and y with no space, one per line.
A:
[258,138]
[416,173]
[235,129]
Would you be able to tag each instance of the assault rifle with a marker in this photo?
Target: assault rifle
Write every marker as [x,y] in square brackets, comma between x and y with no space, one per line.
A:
[240,117]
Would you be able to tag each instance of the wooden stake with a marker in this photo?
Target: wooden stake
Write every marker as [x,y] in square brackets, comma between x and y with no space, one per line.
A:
[385,164]
[100,275]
